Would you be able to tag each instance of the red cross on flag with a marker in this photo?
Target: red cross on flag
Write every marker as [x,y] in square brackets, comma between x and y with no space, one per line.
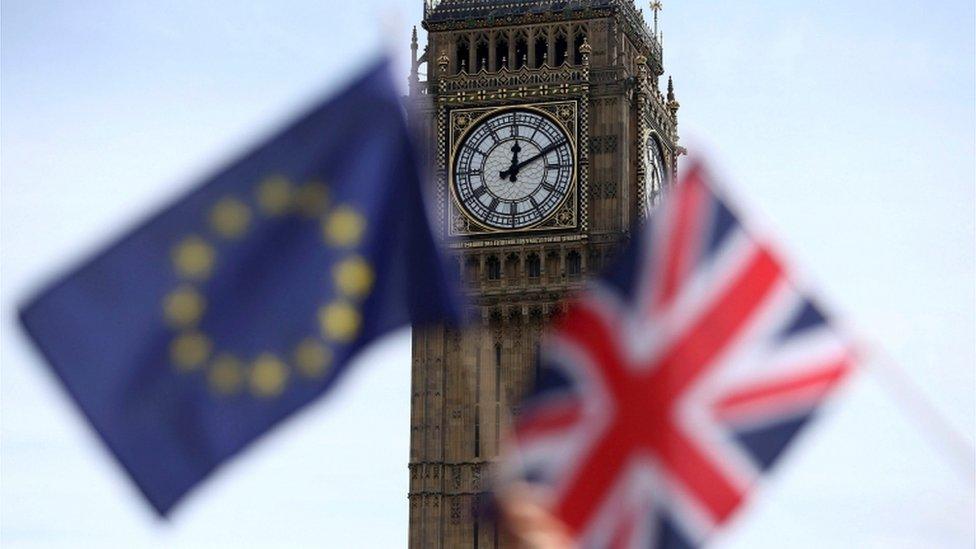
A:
[672,383]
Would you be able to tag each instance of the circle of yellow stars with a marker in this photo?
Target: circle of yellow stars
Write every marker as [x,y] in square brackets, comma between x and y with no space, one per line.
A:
[194,258]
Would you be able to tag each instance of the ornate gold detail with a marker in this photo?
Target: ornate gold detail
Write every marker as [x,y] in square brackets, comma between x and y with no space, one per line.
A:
[512,84]
[585,48]
[567,114]
[564,216]
[460,223]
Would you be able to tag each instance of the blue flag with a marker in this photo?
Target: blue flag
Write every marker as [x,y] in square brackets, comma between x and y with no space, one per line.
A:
[245,300]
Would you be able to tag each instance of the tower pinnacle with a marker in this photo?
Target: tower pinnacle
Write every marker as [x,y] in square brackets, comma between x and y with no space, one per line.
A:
[656,6]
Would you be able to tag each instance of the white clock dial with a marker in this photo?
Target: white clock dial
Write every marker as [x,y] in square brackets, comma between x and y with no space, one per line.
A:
[514,169]
[655,173]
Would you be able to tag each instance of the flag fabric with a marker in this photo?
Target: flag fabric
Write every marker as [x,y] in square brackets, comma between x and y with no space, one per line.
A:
[673,382]
[245,300]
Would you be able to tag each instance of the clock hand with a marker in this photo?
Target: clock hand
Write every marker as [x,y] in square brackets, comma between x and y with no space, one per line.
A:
[513,171]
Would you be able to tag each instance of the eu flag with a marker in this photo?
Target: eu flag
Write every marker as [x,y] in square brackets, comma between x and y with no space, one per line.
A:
[245,300]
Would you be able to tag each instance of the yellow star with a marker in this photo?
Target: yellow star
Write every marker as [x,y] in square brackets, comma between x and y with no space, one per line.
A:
[268,376]
[230,217]
[274,195]
[312,358]
[226,374]
[353,276]
[183,306]
[344,227]
[339,321]
[193,257]
[190,350]
[312,199]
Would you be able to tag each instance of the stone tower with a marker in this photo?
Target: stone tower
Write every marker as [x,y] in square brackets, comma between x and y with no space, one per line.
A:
[549,137]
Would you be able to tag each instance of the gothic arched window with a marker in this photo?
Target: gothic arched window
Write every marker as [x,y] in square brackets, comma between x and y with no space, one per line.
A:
[562,48]
[456,271]
[521,51]
[541,50]
[512,268]
[552,265]
[462,54]
[481,54]
[593,263]
[573,264]
[533,265]
[494,268]
[471,270]
[501,51]
[577,44]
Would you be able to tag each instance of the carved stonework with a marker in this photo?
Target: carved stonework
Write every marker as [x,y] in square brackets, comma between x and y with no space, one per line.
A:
[476,476]
[603,144]
[456,477]
[455,510]
[589,69]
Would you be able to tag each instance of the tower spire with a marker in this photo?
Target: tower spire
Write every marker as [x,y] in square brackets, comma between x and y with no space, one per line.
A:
[656,6]
[413,47]
[413,55]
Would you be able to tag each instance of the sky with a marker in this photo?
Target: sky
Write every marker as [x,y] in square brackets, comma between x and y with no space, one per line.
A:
[847,128]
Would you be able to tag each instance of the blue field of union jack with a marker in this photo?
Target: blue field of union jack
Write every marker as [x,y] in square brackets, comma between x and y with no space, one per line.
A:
[674,382]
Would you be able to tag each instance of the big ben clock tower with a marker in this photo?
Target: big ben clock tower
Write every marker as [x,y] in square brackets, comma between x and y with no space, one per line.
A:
[550,137]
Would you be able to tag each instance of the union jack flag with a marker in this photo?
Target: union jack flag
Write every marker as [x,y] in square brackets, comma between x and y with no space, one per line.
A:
[673,382]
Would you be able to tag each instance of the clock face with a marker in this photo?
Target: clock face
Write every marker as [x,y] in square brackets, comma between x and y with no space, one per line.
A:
[655,173]
[513,169]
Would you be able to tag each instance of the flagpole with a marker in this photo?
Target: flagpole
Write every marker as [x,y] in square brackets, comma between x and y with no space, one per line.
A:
[946,439]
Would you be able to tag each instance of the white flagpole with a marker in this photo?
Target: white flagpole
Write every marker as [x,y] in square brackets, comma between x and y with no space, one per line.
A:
[946,439]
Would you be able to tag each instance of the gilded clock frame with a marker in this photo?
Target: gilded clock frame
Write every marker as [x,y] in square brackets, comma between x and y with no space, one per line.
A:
[565,217]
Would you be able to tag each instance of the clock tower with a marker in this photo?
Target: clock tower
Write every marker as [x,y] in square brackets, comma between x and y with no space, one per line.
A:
[550,137]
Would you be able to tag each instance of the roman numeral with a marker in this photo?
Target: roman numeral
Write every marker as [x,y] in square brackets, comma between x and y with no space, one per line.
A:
[548,186]
[494,204]
[538,126]
[495,138]
[535,205]
[479,191]
[473,149]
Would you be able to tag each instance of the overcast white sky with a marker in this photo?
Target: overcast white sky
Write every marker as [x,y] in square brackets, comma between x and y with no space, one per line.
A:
[848,125]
